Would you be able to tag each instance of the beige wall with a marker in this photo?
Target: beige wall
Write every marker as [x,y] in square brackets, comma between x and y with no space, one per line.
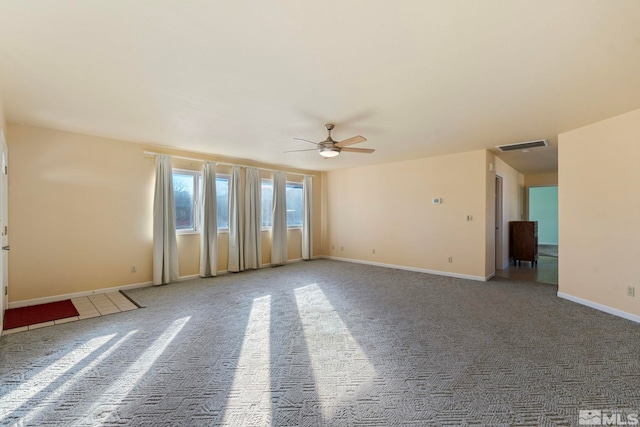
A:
[3,123]
[389,208]
[541,179]
[512,205]
[80,209]
[599,203]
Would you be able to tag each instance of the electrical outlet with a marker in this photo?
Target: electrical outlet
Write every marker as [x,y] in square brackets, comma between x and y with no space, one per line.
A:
[450,259]
[373,251]
[341,248]
[134,269]
[333,246]
[631,291]
[469,217]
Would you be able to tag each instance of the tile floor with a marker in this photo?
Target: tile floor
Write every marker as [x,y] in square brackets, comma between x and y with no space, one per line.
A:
[545,272]
[88,307]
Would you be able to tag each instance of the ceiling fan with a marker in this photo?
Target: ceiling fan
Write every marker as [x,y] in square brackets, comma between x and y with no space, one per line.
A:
[331,148]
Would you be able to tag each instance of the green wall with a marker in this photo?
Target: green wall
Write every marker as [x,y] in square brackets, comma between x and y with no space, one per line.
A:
[543,207]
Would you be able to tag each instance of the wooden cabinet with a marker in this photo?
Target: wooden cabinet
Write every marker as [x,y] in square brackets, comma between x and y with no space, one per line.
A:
[523,241]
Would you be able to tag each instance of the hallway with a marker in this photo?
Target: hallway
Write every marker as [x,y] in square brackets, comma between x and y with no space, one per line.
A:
[545,272]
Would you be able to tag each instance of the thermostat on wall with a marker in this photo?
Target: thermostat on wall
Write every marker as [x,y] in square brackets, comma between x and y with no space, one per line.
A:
[437,200]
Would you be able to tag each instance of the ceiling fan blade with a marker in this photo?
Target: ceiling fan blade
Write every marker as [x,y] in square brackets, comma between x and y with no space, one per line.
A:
[351,141]
[295,151]
[306,140]
[358,150]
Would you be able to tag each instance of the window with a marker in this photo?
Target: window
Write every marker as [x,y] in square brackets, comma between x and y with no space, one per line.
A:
[295,203]
[267,203]
[222,196]
[186,195]
[187,192]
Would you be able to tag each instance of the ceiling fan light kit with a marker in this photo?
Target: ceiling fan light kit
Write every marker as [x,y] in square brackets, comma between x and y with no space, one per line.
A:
[331,148]
[329,151]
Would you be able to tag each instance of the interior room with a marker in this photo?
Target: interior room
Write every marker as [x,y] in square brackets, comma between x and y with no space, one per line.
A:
[268,213]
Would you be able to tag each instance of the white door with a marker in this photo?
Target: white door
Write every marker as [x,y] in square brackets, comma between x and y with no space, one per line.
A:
[4,228]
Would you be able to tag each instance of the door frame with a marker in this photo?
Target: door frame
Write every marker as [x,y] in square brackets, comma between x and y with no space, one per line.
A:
[499,232]
[4,227]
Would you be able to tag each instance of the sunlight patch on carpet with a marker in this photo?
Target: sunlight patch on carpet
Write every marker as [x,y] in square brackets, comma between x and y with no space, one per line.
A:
[49,399]
[340,366]
[47,375]
[103,408]
[250,394]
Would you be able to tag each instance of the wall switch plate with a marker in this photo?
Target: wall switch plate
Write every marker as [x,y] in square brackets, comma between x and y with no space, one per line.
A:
[437,200]
[631,291]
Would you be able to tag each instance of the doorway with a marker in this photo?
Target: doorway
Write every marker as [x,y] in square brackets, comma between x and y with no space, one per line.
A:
[543,208]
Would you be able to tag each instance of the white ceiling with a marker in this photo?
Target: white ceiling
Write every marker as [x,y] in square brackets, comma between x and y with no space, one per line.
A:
[242,78]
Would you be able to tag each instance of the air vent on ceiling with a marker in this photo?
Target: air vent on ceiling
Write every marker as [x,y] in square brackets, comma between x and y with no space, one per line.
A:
[523,145]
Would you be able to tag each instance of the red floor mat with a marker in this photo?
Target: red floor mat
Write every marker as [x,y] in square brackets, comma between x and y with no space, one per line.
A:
[24,316]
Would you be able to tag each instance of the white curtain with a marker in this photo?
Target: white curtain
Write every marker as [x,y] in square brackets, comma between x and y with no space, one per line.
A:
[209,237]
[165,244]
[236,251]
[279,251]
[307,241]
[252,219]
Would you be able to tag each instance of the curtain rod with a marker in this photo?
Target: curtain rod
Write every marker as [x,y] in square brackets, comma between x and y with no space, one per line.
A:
[192,159]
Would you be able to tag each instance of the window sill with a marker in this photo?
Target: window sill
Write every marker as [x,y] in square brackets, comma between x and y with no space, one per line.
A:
[186,232]
[288,228]
[191,232]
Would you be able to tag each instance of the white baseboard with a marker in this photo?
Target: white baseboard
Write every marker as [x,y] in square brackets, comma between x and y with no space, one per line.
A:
[62,297]
[223,272]
[418,270]
[601,307]
[193,276]
[267,265]
[54,298]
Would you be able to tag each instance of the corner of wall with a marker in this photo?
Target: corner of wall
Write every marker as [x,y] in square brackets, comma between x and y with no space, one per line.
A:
[490,217]
[323,222]
[512,206]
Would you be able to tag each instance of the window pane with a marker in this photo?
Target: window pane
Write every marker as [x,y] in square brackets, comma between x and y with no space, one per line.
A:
[267,202]
[222,193]
[295,205]
[199,203]
[183,195]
